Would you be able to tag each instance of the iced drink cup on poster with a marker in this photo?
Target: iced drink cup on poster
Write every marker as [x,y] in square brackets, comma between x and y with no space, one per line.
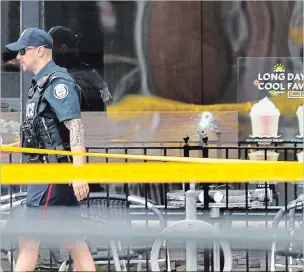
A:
[300,114]
[264,119]
[300,156]
[260,155]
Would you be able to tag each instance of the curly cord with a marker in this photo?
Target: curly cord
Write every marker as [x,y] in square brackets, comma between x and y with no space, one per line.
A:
[139,46]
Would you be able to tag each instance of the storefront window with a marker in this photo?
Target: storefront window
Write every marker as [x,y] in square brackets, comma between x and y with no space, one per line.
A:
[175,68]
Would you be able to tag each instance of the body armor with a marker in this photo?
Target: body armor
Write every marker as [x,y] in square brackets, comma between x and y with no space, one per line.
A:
[40,128]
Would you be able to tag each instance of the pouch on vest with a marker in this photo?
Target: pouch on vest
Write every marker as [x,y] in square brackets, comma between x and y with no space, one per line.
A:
[29,139]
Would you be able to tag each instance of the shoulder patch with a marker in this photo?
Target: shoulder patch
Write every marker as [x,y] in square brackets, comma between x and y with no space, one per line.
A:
[61,91]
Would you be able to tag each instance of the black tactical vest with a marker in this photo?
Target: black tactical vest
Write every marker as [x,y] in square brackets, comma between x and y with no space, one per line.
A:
[40,128]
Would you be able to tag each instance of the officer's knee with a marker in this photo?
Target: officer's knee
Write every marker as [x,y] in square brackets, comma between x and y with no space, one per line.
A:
[81,256]
[76,247]
[28,244]
[28,255]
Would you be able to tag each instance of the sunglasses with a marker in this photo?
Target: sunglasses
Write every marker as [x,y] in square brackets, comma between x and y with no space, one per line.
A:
[23,50]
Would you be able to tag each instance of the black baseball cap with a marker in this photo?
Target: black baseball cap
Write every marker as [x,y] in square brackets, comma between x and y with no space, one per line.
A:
[64,35]
[32,37]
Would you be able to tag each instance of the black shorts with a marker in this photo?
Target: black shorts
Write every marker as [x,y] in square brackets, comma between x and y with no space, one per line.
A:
[58,213]
[59,195]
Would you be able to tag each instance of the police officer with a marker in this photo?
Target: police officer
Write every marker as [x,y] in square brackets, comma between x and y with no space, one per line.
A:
[52,121]
[95,91]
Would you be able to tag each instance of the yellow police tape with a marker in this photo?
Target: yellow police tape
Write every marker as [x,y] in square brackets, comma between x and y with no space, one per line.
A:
[200,170]
[117,156]
[157,172]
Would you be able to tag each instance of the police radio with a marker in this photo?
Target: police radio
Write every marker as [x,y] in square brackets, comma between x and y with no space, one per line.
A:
[29,138]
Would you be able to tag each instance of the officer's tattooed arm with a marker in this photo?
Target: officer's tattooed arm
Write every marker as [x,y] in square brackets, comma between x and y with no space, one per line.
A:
[76,131]
[77,142]
[81,188]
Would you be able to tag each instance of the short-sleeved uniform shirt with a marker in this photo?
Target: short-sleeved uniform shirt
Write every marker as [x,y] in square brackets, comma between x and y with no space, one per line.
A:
[61,102]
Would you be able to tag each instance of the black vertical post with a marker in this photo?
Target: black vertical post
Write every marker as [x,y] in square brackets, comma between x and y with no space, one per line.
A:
[186,154]
[205,153]
[10,190]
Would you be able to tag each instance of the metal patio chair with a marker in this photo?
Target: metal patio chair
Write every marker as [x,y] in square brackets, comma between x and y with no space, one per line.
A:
[221,250]
[292,251]
[100,208]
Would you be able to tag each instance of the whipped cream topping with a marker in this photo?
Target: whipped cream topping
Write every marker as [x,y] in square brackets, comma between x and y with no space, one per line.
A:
[264,107]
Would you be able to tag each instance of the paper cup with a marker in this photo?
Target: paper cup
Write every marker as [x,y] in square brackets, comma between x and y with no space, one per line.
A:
[260,155]
[265,126]
[300,156]
[300,121]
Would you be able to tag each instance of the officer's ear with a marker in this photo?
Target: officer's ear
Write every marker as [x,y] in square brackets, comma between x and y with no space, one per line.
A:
[41,51]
